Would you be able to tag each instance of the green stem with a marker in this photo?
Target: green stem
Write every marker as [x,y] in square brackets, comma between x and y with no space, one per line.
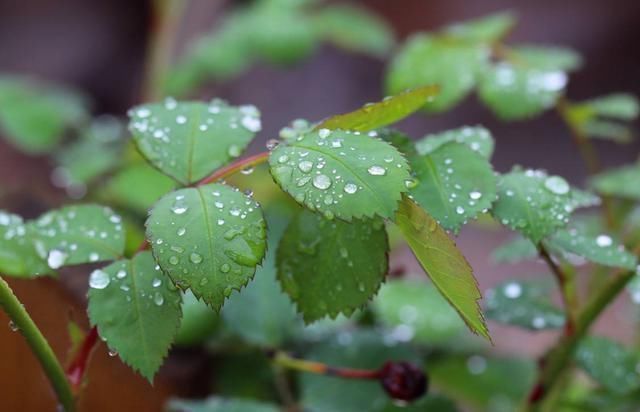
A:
[558,359]
[38,344]
[167,15]
[282,359]
[567,288]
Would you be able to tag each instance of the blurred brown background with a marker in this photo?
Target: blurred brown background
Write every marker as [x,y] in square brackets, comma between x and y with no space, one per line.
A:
[99,46]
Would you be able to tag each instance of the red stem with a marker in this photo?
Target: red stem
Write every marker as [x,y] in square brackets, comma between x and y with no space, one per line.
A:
[78,365]
[234,167]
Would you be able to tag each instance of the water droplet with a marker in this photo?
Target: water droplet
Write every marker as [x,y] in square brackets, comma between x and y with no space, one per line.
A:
[410,183]
[557,185]
[181,119]
[99,279]
[513,290]
[13,326]
[322,182]
[272,144]
[195,258]
[156,282]
[350,188]
[377,170]
[251,123]
[234,150]
[476,364]
[247,170]
[56,258]
[174,260]
[305,166]
[121,274]
[225,268]
[227,291]
[459,210]
[475,195]
[93,257]
[324,133]
[158,299]
[604,241]
[113,352]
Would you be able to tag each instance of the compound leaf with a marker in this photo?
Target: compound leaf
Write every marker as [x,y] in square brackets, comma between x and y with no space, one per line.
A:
[188,140]
[137,310]
[341,174]
[443,262]
[331,267]
[208,239]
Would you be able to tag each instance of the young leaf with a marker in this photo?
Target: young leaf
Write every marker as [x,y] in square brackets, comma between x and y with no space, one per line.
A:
[18,255]
[545,57]
[340,173]
[620,106]
[208,239]
[375,115]
[609,363]
[598,248]
[487,29]
[452,64]
[533,203]
[354,28]
[34,116]
[362,349]
[620,182]
[78,234]
[331,267]
[217,404]
[443,262]
[137,310]
[415,310]
[524,304]
[515,92]
[454,184]
[271,318]
[514,251]
[189,140]
[602,129]
[477,138]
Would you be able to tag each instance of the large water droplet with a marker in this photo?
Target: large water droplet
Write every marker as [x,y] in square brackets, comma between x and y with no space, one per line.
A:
[350,188]
[604,241]
[376,170]
[475,195]
[158,299]
[156,282]
[56,258]
[99,279]
[195,258]
[557,185]
[322,182]
[305,166]
[513,290]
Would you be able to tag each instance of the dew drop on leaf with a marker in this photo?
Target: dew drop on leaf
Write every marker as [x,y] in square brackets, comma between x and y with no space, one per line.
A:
[377,170]
[322,182]
[99,279]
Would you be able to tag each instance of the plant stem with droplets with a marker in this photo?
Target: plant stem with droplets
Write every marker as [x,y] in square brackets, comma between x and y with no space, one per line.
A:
[38,344]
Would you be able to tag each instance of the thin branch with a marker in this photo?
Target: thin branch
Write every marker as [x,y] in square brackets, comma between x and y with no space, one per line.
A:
[284,360]
[38,344]
[78,365]
[240,164]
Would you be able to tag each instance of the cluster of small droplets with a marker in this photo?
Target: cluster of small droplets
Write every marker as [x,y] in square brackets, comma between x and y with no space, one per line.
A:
[319,186]
[218,116]
[539,86]
[476,137]
[102,278]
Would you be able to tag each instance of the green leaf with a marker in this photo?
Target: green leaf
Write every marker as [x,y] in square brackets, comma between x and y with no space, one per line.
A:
[514,251]
[375,115]
[362,350]
[354,28]
[454,184]
[331,267]
[217,404]
[78,234]
[18,255]
[492,384]
[599,248]
[609,363]
[415,310]
[515,92]
[524,304]
[533,203]
[451,64]
[620,182]
[545,57]
[137,310]
[477,138]
[487,29]
[137,186]
[34,116]
[620,106]
[340,173]
[261,313]
[189,140]
[198,322]
[443,262]
[600,129]
[432,402]
[208,239]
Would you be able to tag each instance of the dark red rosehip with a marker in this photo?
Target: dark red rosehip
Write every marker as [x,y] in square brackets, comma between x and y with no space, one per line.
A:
[403,381]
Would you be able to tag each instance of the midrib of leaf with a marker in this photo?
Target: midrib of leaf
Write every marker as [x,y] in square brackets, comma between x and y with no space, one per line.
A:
[205,214]
[140,313]
[192,144]
[346,166]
